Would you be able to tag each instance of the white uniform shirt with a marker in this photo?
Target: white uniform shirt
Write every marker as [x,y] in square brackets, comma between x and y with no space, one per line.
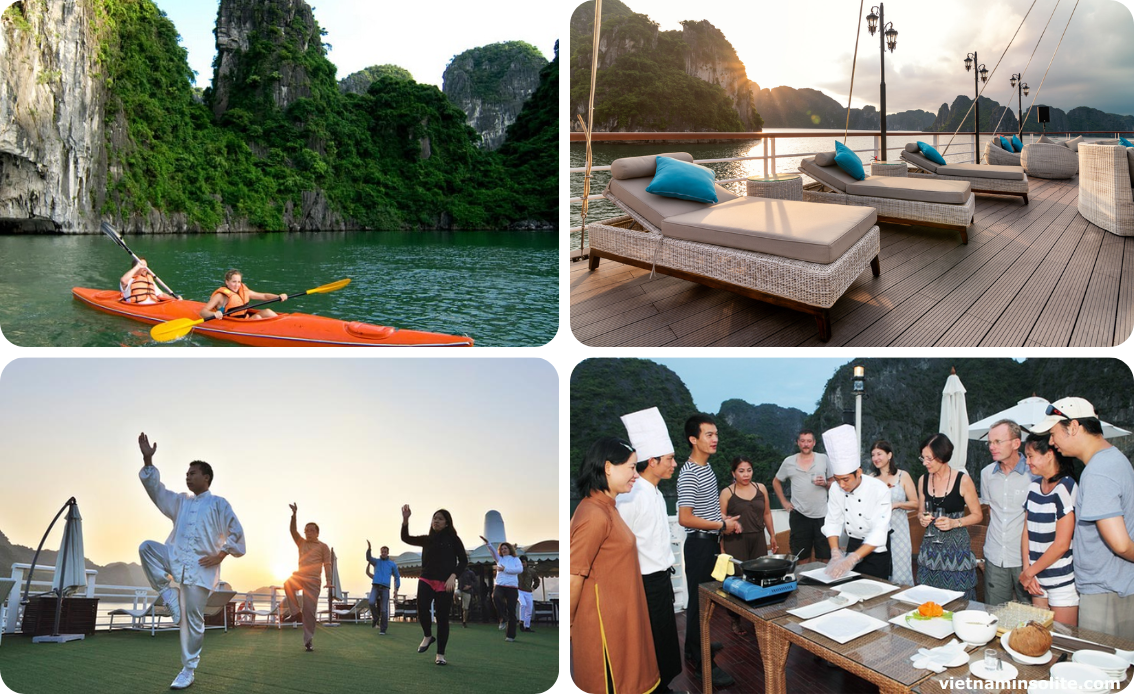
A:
[864,513]
[643,510]
[203,525]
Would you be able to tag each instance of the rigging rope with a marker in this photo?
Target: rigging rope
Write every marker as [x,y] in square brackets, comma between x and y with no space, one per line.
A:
[1031,55]
[589,127]
[984,85]
[1042,84]
[851,89]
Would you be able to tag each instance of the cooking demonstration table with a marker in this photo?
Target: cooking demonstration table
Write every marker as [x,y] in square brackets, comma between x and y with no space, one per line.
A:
[881,657]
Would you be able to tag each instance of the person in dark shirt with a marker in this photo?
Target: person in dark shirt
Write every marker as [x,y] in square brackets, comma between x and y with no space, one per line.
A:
[444,558]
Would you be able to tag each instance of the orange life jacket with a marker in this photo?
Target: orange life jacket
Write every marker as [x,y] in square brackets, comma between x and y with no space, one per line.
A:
[235,299]
[142,289]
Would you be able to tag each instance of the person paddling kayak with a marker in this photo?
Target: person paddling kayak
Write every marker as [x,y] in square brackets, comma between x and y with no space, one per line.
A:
[235,294]
[138,285]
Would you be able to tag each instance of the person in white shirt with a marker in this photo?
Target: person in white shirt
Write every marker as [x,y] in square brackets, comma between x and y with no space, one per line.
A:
[506,593]
[859,504]
[205,532]
[1004,485]
[643,510]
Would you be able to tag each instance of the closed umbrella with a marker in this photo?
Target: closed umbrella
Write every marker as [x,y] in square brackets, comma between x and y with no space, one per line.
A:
[954,422]
[1027,413]
[335,591]
[70,571]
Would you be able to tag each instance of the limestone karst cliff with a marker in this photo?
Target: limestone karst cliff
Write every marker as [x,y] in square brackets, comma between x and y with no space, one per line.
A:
[491,84]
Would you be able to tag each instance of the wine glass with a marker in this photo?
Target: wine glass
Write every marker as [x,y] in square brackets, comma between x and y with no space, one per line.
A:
[929,514]
[938,513]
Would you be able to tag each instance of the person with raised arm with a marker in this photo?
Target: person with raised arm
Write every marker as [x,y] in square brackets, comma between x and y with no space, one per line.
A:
[444,558]
[385,576]
[312,554]
[506,593]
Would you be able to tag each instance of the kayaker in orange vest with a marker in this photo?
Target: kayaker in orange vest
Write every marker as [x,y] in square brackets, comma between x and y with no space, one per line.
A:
[235,294]
[138,285]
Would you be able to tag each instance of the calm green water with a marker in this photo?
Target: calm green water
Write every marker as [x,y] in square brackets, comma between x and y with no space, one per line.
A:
[501,288]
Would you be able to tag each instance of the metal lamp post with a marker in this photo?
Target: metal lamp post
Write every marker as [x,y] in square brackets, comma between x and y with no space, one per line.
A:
[1022,88]
[857,387]
[979,71]
[887,39]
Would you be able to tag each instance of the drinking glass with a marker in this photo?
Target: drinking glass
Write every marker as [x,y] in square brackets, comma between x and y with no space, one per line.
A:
[929,512]
[938,513]
[992,662]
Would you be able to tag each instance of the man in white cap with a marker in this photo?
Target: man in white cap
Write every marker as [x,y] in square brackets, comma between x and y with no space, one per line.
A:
[643,510]
[860,505]
[1103,541]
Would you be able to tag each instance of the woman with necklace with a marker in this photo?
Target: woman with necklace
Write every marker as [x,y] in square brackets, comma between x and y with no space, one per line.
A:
[903,498]
[1046,540]
[749,501]
[944,558]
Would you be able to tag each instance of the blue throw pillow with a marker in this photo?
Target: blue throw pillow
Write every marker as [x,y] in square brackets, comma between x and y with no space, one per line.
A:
[931,154]
[1005,145]
[1016,143]
[849,161]
[682,180]
[1125,143]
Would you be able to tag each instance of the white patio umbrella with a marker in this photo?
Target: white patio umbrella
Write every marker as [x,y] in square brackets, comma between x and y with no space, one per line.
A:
[1027,413]
[954,422]
[335,592]
[70,570]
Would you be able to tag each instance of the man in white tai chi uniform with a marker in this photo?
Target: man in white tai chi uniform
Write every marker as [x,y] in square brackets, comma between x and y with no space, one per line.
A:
[205,532]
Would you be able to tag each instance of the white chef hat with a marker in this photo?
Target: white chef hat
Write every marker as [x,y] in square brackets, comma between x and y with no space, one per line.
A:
[648,433]
[842,449]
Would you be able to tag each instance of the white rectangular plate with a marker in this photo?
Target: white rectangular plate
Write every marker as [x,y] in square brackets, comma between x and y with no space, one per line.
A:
[822,607]
[821,575]
[920,594]
[865,588]
[844,625]
[937,628]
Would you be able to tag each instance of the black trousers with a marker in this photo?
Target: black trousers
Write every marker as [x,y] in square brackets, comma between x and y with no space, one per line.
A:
[807,534]
[663,624]
[877,564]
[425,598]
[700,559]
[506,599]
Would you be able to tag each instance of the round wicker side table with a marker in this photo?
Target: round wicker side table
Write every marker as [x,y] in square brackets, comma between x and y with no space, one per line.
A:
[787,186]
[882,168]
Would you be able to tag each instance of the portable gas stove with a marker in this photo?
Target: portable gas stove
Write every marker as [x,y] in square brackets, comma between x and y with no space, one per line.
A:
[766,591]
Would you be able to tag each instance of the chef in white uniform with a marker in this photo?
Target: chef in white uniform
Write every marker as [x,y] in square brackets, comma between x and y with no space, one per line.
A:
[205,532]
[859,505]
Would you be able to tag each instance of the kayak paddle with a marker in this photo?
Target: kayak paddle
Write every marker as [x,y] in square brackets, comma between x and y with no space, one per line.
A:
[173,329]
[110,231]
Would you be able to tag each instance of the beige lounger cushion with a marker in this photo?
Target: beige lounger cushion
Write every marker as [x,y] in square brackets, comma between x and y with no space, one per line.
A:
[785,228]
[1011,173]
[910,147]
[825,159]
[920,161]
[640,167]
[655,208]
[914,189]
[1072,144]
[1043,140]
[833,176]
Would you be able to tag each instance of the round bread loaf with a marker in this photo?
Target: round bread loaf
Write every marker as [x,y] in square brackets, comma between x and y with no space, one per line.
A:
[1032,640]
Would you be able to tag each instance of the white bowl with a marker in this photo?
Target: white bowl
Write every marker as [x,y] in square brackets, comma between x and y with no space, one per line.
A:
[968,625]
[1021,657]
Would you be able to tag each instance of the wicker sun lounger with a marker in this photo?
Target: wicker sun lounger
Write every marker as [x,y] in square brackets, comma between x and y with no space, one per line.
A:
[783,252]
[943,204]
[983,178]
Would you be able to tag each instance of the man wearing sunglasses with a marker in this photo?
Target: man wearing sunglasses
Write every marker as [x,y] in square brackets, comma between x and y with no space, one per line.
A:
[1103,541]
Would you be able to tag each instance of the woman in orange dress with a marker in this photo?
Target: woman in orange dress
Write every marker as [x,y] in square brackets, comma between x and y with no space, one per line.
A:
[611,644]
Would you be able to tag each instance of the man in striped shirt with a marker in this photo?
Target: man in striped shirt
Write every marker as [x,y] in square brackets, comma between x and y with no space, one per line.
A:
[698,511]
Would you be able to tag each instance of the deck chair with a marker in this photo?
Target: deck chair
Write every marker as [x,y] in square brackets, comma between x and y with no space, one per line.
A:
[271,616]
[6,585]
[352,614]
[944,204]
[217,603]
[983,178]
[783,252]
[154,612]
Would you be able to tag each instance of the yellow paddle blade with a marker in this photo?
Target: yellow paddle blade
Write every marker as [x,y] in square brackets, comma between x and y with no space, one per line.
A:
[174,329]
[330,287]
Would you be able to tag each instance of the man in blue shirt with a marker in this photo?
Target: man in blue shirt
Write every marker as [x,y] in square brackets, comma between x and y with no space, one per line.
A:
[384,571]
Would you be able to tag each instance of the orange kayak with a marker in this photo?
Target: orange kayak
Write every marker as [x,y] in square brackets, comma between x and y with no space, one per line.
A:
[286,330]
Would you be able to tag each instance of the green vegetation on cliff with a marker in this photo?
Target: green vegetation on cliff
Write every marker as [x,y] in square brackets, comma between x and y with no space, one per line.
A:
[492,63]
[359,82]
[530,141]
[399,156]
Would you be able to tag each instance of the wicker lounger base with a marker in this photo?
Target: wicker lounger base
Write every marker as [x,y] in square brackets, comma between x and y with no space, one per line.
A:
[931,214]
[801,286]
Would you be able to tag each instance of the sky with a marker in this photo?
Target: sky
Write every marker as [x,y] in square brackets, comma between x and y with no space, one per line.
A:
[786,382]
[810,44]
[409,34]
[348,440]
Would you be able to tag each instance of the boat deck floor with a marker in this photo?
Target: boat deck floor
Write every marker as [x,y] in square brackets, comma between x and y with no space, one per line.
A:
[1036,275]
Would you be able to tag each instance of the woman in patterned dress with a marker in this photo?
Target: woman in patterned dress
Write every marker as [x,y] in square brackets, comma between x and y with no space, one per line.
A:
[948,564]
[903,498]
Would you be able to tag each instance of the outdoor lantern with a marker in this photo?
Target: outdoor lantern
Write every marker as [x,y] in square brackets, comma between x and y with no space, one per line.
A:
[873,20]
[1025,89]
[892,36]
[983,72]
[857,380]
[969,62]
[1013,81]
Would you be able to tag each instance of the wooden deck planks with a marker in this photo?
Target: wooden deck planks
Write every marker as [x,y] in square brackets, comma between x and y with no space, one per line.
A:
[1002,289]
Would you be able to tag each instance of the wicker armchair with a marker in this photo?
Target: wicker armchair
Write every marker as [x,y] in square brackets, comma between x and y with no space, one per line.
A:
[1106,195]
[1049,161]
[996,156]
